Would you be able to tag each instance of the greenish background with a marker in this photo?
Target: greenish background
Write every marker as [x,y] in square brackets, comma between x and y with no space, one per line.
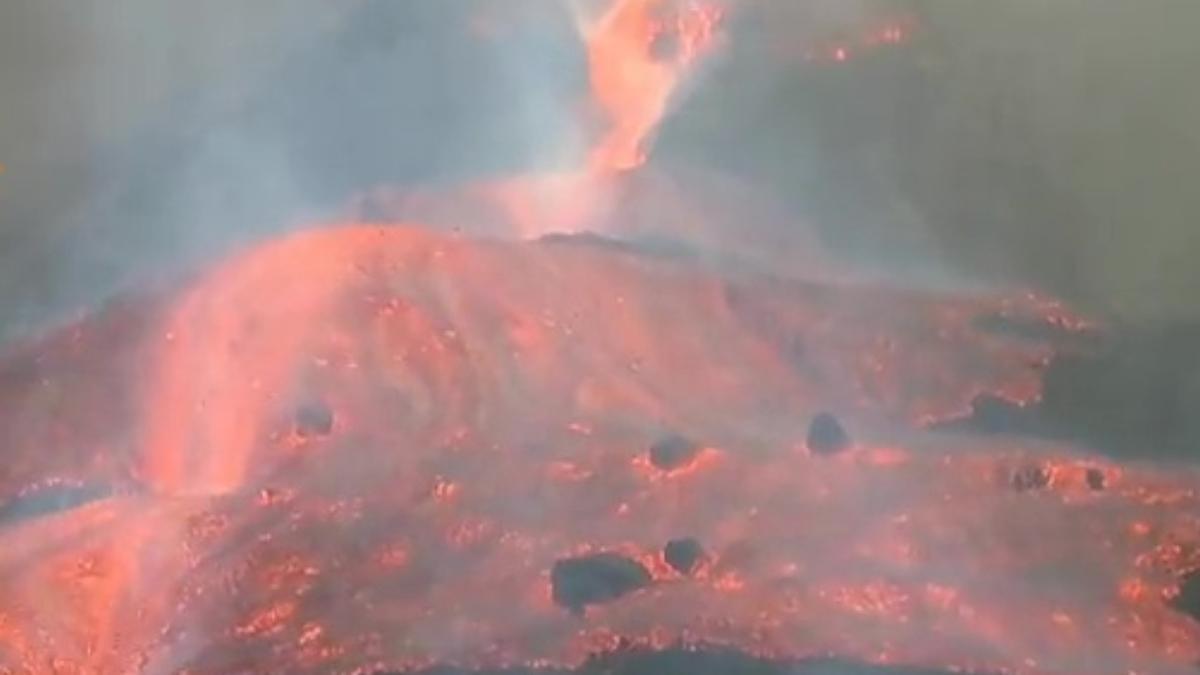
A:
[1051,143]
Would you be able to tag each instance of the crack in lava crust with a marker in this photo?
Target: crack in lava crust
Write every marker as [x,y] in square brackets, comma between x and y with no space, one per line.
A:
[485,410]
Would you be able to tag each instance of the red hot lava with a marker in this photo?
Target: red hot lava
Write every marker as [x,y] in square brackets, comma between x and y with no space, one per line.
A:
[363,447]
[639,52]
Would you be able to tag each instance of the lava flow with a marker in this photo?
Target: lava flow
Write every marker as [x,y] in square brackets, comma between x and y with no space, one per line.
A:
[371,447]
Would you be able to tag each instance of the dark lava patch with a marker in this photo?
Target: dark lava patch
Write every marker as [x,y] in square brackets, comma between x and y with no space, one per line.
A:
[1030,477]
[826,435]
[595,579]
[672,452]
[314,419]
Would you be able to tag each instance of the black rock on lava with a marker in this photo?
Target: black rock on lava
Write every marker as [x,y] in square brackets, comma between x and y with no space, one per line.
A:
[314,419]
[672,452]
[595,579]
[1030,477]
[826,435]
[683,555]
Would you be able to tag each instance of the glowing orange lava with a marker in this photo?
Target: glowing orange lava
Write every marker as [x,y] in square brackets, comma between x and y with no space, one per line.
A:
[365,447]
[637,53]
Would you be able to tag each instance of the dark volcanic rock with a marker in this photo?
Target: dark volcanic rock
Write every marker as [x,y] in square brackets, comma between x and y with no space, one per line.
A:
[314,419]
[826,435]
[1188,600]
[672,452]
[1030,477]
[595,579]
[683,555]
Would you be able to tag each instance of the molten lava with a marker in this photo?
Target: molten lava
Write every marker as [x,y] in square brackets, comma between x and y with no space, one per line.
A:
[369,447]
[637,53]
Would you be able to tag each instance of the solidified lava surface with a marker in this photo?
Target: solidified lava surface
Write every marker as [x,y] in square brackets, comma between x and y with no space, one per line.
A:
[365,448]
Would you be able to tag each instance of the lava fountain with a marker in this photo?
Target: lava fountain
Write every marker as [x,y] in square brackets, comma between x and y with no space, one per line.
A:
[637,54]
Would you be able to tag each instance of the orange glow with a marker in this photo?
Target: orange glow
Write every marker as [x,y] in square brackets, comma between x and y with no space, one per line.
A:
[637,53]
[493,405]
[225,351]
[871,598]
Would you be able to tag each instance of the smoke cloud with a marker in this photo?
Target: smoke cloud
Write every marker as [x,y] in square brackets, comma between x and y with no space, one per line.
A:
[138,137]
[1035,144]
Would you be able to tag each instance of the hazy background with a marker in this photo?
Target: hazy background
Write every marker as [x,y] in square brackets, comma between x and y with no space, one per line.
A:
[1056,142]
[1045,143]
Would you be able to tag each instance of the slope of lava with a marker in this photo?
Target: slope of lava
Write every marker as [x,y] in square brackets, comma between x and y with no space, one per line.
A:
[370,447]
